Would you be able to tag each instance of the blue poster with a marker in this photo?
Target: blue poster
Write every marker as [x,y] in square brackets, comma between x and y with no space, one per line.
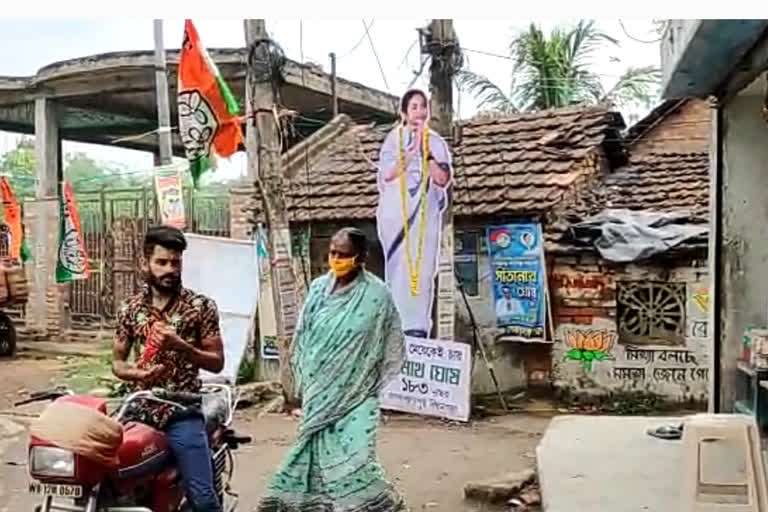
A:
[517,274]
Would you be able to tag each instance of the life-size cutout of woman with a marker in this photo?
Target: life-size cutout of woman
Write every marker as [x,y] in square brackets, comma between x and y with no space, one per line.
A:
[414,175]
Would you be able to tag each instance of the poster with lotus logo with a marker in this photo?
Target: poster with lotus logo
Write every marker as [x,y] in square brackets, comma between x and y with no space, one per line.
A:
[518,278]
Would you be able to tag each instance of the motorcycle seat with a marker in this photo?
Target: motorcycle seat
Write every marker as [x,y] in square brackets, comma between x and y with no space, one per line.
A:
[215,408]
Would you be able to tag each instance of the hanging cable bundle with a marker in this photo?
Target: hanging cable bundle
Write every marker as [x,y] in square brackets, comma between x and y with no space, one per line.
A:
[266,61]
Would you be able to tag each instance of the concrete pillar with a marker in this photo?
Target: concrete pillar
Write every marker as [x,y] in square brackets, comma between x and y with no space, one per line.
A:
[741,245]
[47,149]
[45,307]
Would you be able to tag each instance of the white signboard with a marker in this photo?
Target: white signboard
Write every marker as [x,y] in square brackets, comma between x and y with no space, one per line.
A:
[225,270]
[434,381]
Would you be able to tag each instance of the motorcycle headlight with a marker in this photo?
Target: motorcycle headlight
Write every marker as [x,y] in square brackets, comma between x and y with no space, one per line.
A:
[52,462]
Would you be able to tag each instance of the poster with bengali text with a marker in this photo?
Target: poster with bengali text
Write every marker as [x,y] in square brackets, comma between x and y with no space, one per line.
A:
[518,280]
[435,380]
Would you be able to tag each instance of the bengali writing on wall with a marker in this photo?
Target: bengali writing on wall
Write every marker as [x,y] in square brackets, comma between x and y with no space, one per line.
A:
[698,311]
[433,381]
[664,366]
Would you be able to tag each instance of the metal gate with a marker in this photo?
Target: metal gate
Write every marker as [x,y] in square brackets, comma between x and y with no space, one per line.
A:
[113,223]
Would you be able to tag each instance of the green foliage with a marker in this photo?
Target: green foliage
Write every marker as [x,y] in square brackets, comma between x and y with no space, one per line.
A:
[247,371]
[86,174]
[557,70]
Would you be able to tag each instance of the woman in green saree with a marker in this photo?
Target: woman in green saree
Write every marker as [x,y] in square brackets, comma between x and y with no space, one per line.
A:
[348,345]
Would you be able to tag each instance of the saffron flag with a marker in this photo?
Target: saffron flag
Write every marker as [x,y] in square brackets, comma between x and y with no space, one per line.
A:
[209,125]
[72,262]
[18,249]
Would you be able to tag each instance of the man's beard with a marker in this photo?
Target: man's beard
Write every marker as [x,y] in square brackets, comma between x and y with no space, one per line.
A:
[168,283]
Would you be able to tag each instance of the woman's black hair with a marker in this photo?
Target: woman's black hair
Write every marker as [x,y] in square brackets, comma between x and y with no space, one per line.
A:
[164,236]
[358,240]
[407,99]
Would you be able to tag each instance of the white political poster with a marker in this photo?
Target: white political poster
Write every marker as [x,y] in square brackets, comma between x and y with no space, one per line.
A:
[434,381]
[227,271]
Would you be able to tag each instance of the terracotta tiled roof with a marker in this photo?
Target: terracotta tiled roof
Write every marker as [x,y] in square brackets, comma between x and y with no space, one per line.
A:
[661,182]
[652,181]
[339,181]
[524,164]
[521,164]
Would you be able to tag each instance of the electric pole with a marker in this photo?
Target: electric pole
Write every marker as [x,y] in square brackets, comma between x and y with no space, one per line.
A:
[441,44]
[264,162]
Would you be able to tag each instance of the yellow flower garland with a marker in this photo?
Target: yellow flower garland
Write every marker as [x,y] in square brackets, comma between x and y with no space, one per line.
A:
[413,270]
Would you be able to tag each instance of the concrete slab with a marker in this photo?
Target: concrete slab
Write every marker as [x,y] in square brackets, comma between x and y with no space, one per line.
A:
[608,464]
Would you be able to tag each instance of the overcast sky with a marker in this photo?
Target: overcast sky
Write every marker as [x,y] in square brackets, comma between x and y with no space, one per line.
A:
[26,46]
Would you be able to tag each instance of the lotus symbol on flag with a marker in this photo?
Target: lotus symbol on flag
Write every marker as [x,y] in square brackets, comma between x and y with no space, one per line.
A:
[197,124]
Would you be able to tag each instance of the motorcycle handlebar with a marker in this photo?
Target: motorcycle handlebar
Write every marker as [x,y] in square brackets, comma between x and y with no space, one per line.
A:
[180,397]
[42,395]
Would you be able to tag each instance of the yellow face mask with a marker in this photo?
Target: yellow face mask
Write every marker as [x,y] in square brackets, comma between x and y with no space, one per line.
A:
[342,266]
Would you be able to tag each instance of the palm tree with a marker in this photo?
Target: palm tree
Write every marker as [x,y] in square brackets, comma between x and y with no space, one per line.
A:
[555,71]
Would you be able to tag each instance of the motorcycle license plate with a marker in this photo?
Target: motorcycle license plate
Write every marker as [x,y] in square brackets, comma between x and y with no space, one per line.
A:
[60,490]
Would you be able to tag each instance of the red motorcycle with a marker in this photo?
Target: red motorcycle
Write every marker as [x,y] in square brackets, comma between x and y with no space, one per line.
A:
[145,479]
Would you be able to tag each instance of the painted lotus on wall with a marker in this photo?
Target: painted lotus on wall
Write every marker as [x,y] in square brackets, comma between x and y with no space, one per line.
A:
[589,345]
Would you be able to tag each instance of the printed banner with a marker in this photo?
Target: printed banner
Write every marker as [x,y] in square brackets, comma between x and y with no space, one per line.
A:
[72,263]
[414,177]
[435,380]
[269,348]
[517,273]
[170,197]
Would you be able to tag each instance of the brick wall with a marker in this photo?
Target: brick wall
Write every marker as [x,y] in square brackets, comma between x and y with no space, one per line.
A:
[241,200]
[685,130]
[582,290]
[584,307]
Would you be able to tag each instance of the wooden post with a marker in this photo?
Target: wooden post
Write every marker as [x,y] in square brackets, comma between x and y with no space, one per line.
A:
[270,186]
[251,135]
[441,46]
[334,93]
[163,106]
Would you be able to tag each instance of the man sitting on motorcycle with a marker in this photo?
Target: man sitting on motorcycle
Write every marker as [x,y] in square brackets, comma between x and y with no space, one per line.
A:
[174,332]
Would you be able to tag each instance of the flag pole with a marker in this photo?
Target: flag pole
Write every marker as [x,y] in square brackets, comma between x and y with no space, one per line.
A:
[163,106]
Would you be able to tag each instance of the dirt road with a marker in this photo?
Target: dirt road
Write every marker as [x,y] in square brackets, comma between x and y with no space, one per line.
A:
[428,460]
